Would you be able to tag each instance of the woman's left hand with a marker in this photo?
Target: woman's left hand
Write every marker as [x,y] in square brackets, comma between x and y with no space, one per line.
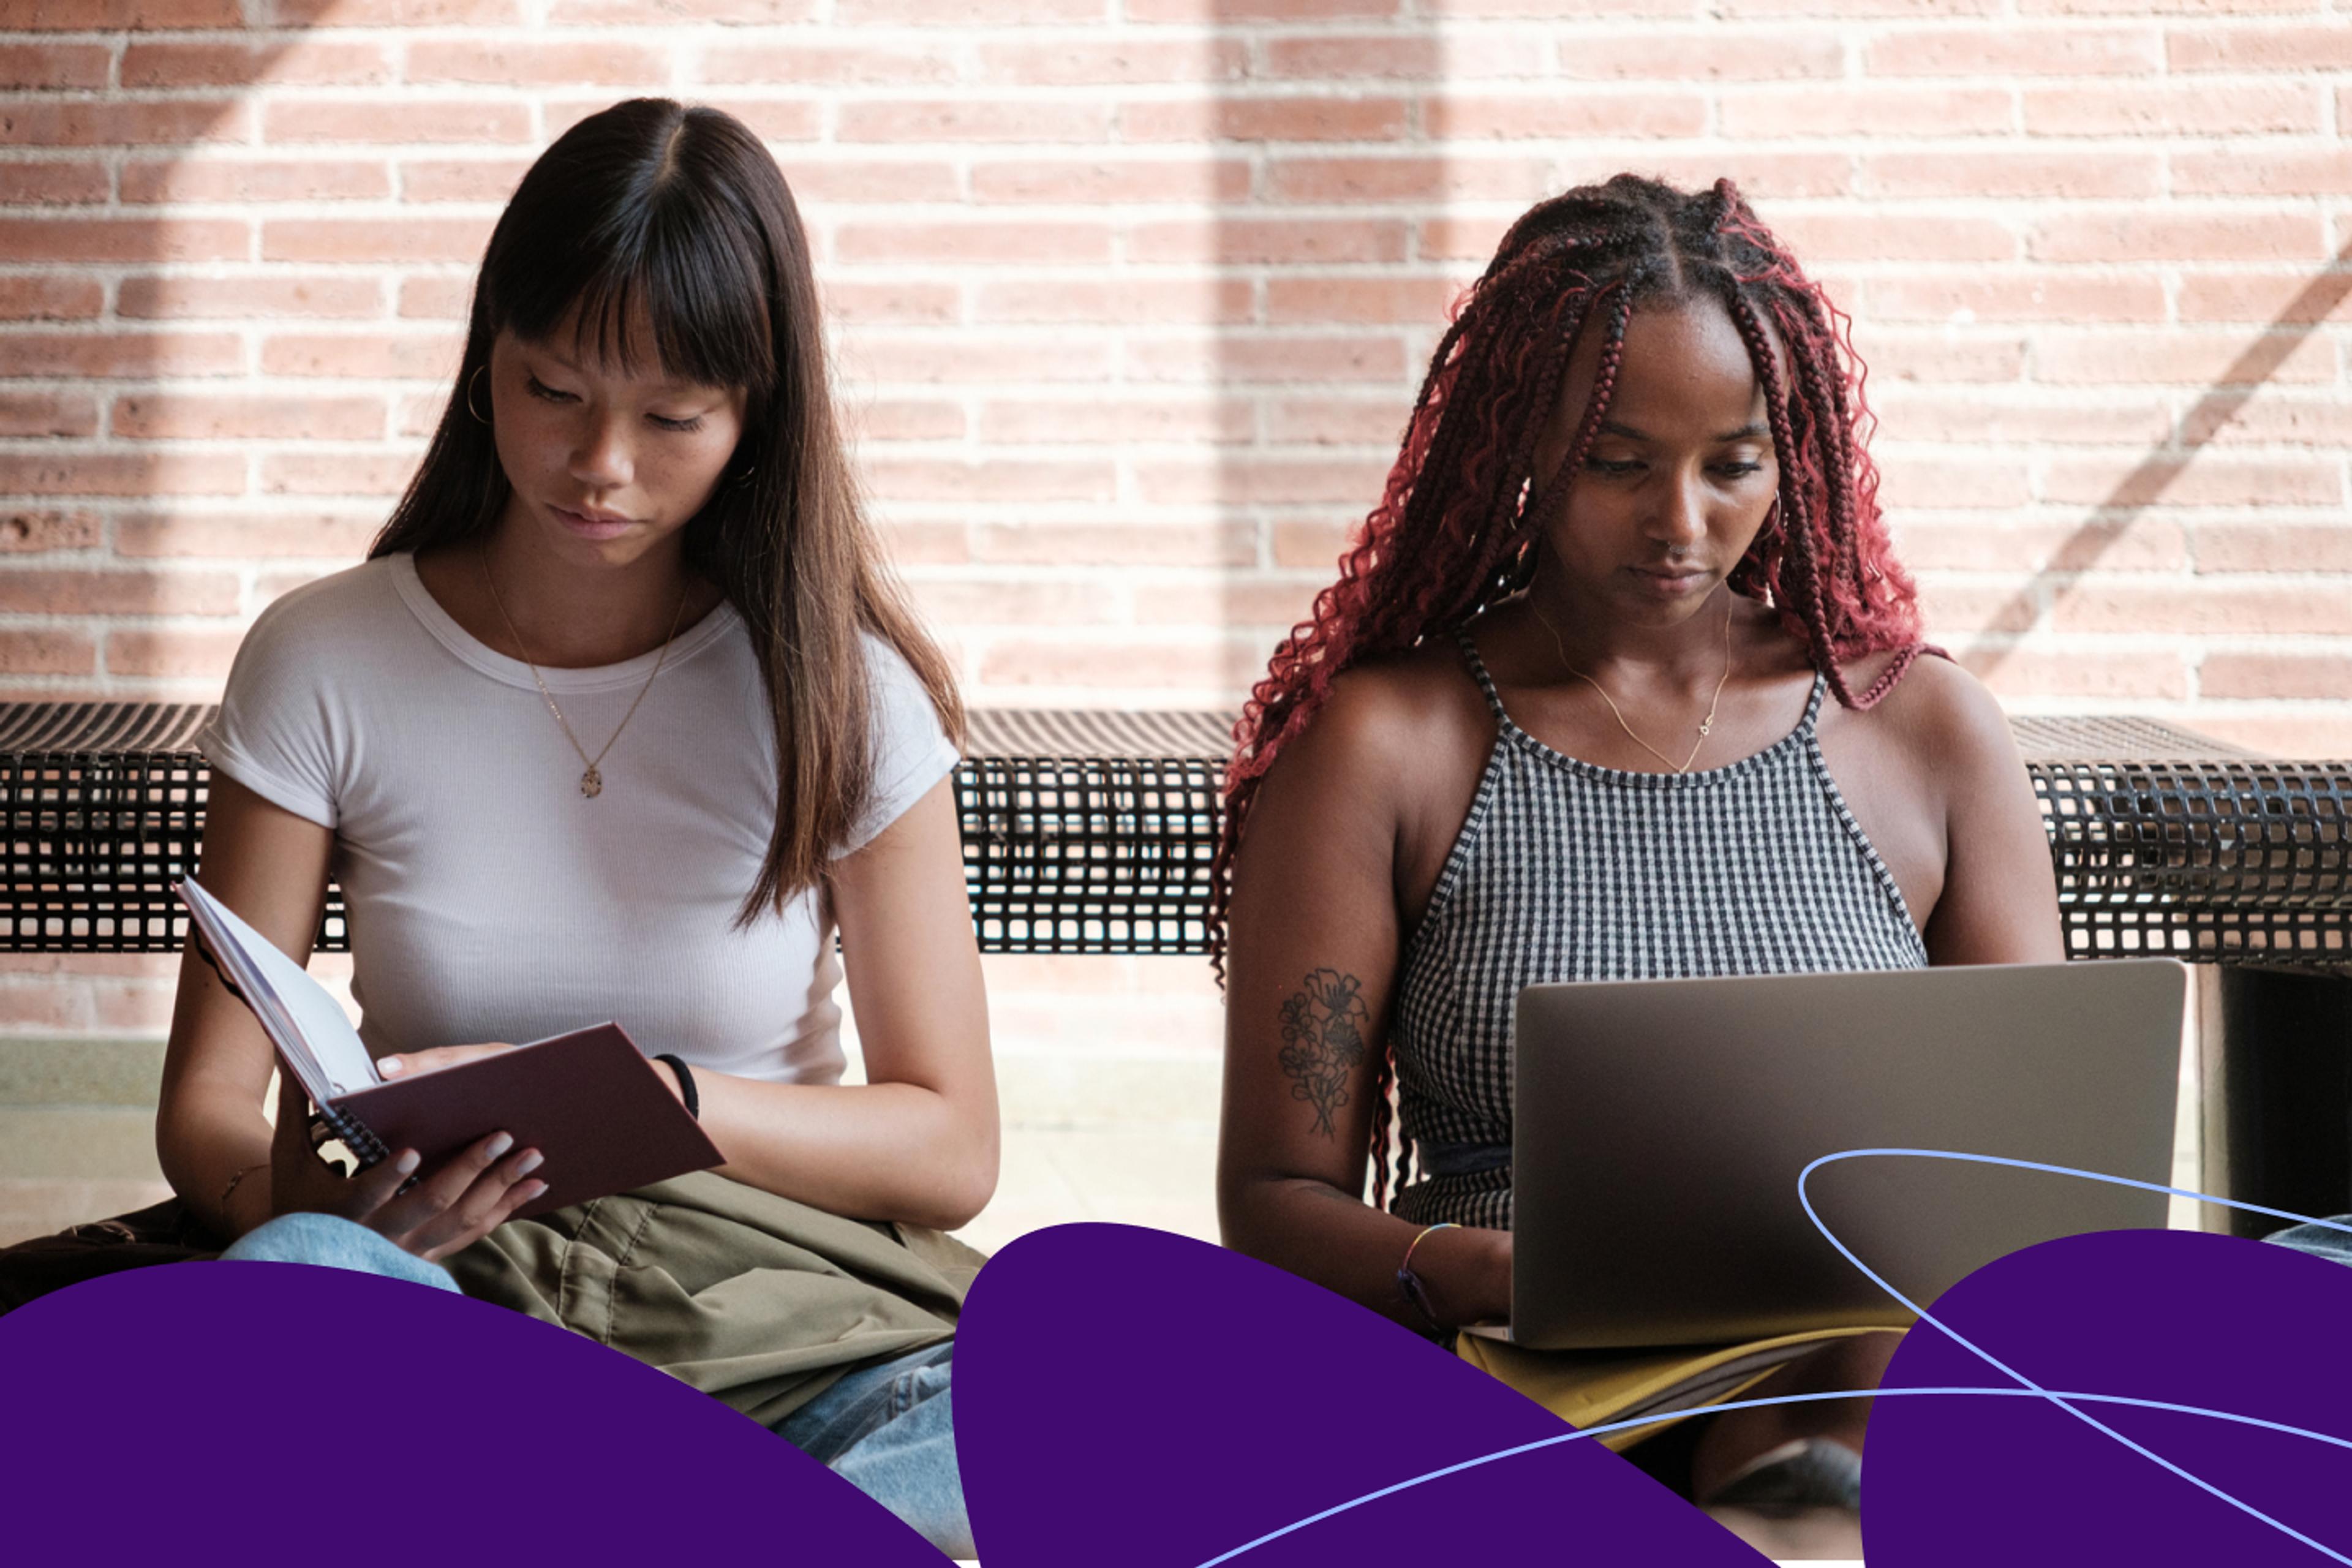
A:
[408,1064]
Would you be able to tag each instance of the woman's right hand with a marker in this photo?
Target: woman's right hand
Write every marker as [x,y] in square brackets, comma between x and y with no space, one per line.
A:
[453,1205]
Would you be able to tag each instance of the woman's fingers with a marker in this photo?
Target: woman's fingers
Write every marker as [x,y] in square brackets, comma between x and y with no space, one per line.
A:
[461,1196]
[499,1211]
[408,1064]
[374,1187]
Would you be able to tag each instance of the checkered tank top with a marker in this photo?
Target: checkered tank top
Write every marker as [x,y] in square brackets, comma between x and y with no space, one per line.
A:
[1568,871]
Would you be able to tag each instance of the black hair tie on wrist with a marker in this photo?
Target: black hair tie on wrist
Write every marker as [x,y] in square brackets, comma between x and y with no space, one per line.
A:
[684,1085]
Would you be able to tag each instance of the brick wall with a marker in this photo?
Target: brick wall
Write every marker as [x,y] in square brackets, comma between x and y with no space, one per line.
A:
[1131,295]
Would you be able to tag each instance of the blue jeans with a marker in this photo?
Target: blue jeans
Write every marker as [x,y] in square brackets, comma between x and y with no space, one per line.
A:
[2333,1244]
[888,1428]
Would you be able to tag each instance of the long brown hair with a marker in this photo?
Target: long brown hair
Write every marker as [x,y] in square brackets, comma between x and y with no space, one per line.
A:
[683,211]
[1452,531]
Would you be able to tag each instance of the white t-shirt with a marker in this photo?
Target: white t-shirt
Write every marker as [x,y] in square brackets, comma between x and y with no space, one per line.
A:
[488,898]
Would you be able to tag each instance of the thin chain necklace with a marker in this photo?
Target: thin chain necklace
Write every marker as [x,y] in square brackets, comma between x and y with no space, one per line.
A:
[1706,725]
[592,783]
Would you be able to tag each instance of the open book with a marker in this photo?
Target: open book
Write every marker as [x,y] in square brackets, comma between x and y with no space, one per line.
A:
[589,1100]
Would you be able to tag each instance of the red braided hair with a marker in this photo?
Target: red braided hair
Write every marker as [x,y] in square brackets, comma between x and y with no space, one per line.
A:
[1451,535]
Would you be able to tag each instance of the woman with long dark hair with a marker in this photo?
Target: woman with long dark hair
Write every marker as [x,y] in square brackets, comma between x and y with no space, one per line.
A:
[623,718]
[1620,679]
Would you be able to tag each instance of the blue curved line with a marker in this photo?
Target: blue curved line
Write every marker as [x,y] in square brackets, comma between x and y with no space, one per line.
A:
[1583,1432]
[1805,1197]
[2031,1390]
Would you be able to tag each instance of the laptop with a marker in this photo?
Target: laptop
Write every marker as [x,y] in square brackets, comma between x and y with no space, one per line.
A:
[1661,1127]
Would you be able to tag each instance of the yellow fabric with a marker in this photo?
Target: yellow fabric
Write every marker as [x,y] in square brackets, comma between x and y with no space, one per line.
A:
[1593,1388]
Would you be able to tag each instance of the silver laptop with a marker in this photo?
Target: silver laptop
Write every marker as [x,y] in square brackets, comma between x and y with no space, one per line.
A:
[1661,1126]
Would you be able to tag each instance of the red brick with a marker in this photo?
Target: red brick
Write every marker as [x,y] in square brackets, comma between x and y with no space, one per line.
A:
[309,61]
[145,296]
[537,61]
[2204,608]
[2175,235]
[2041,295]
[395,12]
[1204,661]
[2244,171]
[460,180]
[2270,417]
[973,119]
[1473,117]
[47,651]
[120,354]
[1909,9]
[2172,109]
[337,473]
[2145,8]
[2274,547]
[371,356]
[1821,111]
[124,239]
[672,12]
[1246,480]
[394,119]
[1137,58]
[995,602]
[2000,544]
[1855,234]
[53,297]
[67,593]
[24,531]
[44,414]
[1231,12]
[2307,675]
[118,124]
[1115,419]
[903,419]
[1423,300]
[1294,119]
[183,651]
[965,13]
[53,66]
[1758,175]
[1274,602]
[2005,49]
[2010,416]
[113,16]
[2299,48]
[86,473]
[1970,607]
[779,119]
[239,536]
[972,242]
[965,356]
[1206,301]
[833,178]
[1322,57]
[919,543]
[1158,542]
[2010,670]
[897,300]
[1312,542]
[991,480]
[809,65]
[2030,171]
[1103,182]
[2316,734]
[2208,480]
[1550,10]
[2217,358]
[419,415]
[1460,238]
[436,299]
[454,239]
[1970,483]
[1336,419]
[53,182]
[2280,298]
[1712,55]
[1274,241]
[1942,357]
[1413,179]
[1266,357]
[177,416]
[157,180]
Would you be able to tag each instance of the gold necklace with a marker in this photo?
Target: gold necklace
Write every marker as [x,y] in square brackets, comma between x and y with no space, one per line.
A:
[1706,726]
[592,783]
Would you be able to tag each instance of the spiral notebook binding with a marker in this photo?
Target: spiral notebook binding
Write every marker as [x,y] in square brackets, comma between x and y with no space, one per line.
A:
[356,1135]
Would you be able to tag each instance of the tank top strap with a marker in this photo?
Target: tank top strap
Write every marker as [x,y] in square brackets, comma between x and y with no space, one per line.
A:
[1806,725]
[1478,673]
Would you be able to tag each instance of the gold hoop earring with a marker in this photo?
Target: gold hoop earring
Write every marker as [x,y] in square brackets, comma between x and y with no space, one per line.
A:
[479,416]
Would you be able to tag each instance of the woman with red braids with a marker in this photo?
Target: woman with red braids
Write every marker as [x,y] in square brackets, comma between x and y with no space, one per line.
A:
[1621,681]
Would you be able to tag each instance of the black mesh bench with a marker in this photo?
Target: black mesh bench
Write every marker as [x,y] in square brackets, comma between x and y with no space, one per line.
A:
[1093,832]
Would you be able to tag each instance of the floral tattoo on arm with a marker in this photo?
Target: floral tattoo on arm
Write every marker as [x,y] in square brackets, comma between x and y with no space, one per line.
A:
[1323,1030]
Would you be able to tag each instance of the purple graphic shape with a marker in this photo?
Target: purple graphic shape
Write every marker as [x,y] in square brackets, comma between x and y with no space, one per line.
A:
[1128,1395]
[287,1414]
[2212,1321]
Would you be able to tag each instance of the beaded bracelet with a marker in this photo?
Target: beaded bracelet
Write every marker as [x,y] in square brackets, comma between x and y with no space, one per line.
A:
[1409,1284]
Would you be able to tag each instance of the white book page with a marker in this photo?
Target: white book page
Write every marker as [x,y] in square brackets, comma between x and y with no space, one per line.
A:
[322,1032]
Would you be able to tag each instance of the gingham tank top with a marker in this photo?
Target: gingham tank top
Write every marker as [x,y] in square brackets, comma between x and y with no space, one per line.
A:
[1568,871]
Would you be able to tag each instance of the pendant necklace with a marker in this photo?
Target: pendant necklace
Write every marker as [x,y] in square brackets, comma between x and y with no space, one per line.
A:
[592,783]
[1706,725]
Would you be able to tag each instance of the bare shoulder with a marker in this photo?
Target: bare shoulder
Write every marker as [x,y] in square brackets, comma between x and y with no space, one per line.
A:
[1938,716]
